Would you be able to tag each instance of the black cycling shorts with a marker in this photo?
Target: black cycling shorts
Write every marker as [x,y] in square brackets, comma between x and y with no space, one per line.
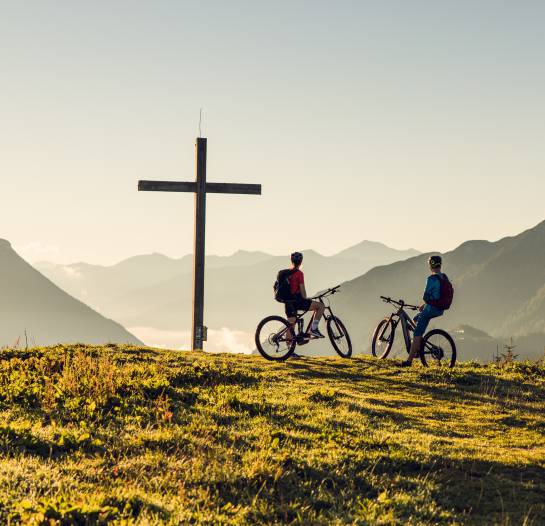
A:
[298,303]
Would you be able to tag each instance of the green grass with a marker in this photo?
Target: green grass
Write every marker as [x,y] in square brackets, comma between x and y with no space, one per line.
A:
[97,435]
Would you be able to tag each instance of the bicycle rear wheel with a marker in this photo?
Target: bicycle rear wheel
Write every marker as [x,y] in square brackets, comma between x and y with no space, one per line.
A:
[383,339]
[339,337]
[438,349]
[274,338]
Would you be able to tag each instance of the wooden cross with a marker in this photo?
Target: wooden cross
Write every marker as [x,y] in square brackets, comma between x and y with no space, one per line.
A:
[200,188]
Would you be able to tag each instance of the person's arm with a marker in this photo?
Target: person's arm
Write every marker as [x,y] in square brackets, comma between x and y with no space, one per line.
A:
[433,289]
[427,293]
[303,290]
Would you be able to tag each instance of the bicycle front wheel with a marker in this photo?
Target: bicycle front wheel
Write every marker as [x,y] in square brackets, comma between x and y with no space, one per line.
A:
[438,349]
[339,337]
[383,339]
[274,338]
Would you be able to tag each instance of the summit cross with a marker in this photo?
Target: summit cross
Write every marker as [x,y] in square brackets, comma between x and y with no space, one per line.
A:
[200,188]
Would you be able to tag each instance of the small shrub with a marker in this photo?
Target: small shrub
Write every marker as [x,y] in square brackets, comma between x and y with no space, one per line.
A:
[324,396]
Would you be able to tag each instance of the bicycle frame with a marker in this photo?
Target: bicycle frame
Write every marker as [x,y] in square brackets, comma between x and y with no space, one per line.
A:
[407,325]
[298,324]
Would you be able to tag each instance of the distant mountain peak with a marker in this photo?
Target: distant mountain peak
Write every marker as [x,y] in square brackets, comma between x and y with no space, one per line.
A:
[370,250]
[242,252]
[369,243]
[4,243]
[378,244]
[311,252]
[470,331]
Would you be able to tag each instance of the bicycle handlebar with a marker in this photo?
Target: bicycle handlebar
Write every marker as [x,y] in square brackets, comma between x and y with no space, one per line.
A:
[328,292]
[400,303]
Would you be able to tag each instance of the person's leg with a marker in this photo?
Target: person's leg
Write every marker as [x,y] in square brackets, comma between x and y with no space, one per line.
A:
[318,307]
[422,322]
[291,315]
[415,349]
[291,334]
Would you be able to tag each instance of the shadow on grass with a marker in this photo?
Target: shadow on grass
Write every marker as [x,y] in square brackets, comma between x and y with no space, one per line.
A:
[302,492]
[475,492]
[478,387]
[14,442]
[241,410]
[494,489]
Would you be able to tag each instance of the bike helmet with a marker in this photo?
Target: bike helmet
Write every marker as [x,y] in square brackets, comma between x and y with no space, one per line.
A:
[297,258]
[435,261]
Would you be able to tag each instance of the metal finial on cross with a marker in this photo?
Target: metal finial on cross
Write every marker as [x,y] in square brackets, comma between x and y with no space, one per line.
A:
[200,188]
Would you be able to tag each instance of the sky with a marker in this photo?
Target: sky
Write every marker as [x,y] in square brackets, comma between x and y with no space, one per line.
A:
[417,124]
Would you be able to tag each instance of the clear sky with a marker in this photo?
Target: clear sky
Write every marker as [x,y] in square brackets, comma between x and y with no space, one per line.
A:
[419,124]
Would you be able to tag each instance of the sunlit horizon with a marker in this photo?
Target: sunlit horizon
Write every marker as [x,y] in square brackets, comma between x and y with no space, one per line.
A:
[417,126]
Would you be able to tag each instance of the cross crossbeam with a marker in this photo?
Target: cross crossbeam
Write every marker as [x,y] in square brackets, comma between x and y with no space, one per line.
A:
[200,188]
[211,188]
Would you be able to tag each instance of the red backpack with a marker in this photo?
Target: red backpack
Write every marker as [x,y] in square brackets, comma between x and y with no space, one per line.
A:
[446,294]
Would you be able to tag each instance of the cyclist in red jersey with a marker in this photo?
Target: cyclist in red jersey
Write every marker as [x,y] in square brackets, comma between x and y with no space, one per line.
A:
[300,300]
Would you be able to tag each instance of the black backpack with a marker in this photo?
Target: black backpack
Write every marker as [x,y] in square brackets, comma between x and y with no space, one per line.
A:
[282,289]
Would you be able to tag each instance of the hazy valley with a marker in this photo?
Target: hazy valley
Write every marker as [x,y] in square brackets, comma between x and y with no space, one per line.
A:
[151,296]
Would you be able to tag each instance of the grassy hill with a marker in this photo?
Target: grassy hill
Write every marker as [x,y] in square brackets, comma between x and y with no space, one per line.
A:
[133,435]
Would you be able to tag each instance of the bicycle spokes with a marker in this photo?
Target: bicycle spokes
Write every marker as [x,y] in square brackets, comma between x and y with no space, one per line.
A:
[438,350]
[339,338]
[280,338]
[274,338]
[336,332]
[386,337]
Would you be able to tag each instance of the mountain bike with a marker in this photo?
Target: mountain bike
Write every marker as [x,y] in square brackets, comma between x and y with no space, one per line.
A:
[438,347]
[276,339]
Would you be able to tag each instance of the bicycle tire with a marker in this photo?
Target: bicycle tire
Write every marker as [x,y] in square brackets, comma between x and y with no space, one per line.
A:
[450,340]
[334,340]
[259,345]
[378,331]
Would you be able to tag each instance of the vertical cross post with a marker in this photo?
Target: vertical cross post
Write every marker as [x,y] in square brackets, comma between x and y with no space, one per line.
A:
[199,258]
[200,187]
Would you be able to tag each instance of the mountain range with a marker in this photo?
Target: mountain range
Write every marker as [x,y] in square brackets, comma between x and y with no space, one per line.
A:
[156,291]
[499,288]
[35,311]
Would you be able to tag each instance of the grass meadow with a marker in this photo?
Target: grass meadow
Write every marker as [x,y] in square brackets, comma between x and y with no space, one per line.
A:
[125,435]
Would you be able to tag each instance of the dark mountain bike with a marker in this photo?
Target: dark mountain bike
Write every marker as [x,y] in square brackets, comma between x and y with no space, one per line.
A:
[438,347]
[276,339]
